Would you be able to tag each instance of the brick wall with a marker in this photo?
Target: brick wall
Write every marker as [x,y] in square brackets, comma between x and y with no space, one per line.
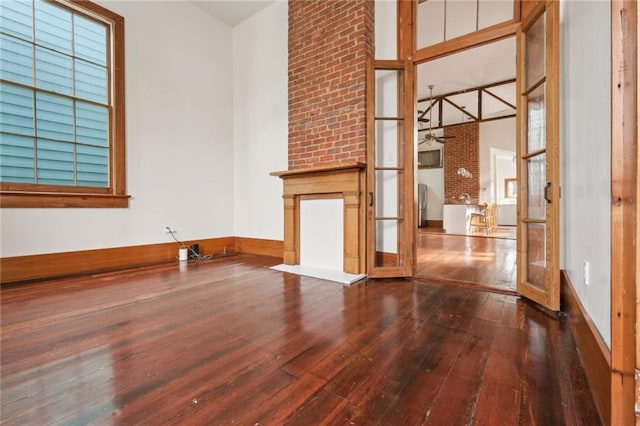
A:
[329,43]
[461,151]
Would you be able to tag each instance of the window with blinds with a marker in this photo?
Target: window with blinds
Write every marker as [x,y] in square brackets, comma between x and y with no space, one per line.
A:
[54,95]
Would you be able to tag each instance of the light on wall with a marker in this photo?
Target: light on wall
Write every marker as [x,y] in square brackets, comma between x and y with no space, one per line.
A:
[464,173]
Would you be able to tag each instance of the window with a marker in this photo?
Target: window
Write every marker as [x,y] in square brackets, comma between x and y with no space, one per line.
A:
[430,159]
[61,105]
[510,188]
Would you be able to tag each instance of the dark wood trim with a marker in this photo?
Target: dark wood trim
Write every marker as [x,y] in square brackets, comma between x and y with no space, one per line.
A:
[461,109]
[504,101]
[484,120]
[260,246]
[526,6]
[40,266]
[118,146]
[40,196]
[593,351]
[624,210]
[18,199]
[406,41]
[467,41]
[321,169]
[516,9]
[483,87]
[434,223]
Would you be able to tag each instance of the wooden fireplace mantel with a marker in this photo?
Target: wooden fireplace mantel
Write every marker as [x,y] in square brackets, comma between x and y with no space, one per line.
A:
[342,181]
[320,169]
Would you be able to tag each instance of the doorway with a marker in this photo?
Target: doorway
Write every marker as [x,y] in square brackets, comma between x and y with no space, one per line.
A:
[466,159]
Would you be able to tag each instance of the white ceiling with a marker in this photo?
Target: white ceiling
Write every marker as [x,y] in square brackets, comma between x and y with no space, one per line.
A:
[471,68]
[487,64]
[232,12]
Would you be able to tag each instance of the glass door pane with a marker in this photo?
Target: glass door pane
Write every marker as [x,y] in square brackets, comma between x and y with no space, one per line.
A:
[388,239]
[536,254]
[536,180]
[538,271]
[535,58]
[536,119]
[388,173]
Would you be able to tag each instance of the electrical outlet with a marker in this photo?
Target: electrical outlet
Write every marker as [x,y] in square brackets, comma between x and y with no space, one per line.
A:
[168,230]
[586,270]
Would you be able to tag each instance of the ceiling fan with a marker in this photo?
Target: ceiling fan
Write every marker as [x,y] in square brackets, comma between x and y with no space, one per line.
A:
[429,137]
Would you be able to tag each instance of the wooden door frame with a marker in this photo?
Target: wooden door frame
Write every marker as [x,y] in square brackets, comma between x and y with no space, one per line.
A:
[625,257]
[625,261]
[549,296]
[405,262]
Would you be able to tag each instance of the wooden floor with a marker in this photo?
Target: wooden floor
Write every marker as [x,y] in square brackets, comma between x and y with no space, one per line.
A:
[503,231]
[472,261]
[229,341]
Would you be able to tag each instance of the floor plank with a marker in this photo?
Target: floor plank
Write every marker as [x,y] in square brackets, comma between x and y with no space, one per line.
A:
[229,341]
[471,261]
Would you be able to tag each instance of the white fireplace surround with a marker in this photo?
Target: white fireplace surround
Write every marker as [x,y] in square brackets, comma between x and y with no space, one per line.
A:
[321,233]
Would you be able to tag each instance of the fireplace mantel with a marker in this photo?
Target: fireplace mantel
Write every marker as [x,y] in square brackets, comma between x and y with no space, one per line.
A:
[320,169]
[342,181]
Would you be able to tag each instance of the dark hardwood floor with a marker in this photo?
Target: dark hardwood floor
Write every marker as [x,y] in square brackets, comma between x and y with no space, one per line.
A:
[471,261]
[230,341]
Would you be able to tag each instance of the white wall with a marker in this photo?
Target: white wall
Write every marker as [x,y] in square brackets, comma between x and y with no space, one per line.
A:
[260,121]
[585,154]
[499,136]
[179,141]
[504,168]
[386,12]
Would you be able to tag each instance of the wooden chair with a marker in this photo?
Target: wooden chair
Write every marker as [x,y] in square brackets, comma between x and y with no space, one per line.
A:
[487,220]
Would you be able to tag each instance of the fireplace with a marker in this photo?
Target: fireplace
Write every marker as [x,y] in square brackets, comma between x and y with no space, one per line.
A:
[341,182]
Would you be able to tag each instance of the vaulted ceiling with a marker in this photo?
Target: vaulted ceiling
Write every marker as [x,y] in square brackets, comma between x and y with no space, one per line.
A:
[232,12]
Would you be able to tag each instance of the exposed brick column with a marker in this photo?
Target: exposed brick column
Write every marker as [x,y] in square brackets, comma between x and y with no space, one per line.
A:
[329,44]
[461,151]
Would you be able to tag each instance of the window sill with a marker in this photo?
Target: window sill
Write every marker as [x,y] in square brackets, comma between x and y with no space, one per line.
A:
[20,199]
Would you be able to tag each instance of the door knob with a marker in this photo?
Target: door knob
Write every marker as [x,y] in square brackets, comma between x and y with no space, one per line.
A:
[546,192]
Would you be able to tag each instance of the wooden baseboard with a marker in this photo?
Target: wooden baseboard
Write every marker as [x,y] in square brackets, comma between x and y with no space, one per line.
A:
[40,266]
[595,356]
[434,224]
[273,248]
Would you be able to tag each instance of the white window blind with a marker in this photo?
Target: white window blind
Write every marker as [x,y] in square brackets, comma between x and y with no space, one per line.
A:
[54,103]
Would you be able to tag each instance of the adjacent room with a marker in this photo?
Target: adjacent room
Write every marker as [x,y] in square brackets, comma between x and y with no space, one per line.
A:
[467,162]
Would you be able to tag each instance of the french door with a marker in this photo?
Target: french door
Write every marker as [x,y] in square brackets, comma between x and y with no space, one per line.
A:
[538,156]
[390,155]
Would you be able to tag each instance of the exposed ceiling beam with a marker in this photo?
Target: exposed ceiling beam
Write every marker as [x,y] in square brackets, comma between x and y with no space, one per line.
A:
[438,101]
[473,89]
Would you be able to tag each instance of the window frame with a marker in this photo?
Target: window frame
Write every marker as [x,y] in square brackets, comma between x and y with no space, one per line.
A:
[430,158]
[115,195]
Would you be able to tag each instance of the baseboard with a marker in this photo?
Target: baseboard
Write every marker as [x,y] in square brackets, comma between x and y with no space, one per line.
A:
[595,356]
[434,224]
[40,266]
[272,248]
